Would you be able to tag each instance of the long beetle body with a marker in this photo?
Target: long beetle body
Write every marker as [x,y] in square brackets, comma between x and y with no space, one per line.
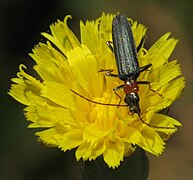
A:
[125,52]
[124,49]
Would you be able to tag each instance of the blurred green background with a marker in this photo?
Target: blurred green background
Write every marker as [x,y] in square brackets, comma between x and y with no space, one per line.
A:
[21,22]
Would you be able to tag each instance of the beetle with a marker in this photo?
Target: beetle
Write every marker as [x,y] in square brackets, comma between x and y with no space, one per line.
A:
[125,51]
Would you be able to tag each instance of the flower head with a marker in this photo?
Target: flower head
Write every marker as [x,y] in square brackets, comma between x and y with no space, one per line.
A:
[62,100]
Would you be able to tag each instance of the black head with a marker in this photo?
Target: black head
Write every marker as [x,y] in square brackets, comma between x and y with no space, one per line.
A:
[132,99]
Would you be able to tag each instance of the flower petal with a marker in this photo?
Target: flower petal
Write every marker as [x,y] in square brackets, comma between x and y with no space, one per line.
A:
[59,94]
[71,139]
[83,65]
[151,142]
[114,153]
[62,37]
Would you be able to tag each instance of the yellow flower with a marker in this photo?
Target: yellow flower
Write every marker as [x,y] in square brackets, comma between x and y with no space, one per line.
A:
[69,77]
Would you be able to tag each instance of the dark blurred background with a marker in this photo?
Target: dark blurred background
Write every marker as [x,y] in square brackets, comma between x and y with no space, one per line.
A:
[21,23]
